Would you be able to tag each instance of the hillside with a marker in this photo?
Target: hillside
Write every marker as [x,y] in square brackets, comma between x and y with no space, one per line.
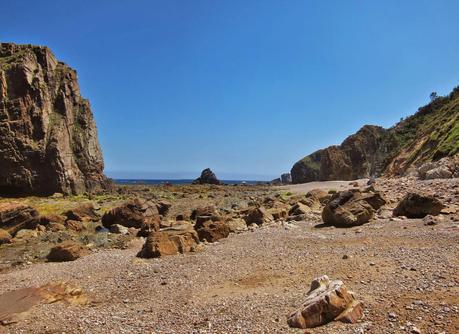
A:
[430,134]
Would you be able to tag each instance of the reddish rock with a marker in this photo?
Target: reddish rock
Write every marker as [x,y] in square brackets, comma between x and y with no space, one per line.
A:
[138,213]
[257,216]
[66,251]
[5,237]
[170,241]
[83,212]
[212,230]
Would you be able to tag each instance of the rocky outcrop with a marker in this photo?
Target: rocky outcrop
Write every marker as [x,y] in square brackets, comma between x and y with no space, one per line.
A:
[286,178]
[429,135]
[326,301]
[357,157]
[212,231]
[444,168]
[207,177]
[48,135]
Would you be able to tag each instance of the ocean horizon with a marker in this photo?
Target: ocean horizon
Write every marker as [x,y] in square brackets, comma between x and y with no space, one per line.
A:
[177,181]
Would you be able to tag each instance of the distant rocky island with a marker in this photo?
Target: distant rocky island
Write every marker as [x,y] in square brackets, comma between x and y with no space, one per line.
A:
[429,135]
[48,135]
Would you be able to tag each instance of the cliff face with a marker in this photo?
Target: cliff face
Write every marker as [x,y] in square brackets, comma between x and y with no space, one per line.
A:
[428,135]
[48,135]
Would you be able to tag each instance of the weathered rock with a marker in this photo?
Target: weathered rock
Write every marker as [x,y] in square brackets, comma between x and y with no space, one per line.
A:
[207,177]
[55,227]
[48,135]
[66,251]
[257,216]
[348,208]
[415,205]
[74,225]
[209,210]
[442,169]
[52,218]
[26,234]
[326,301]
[236,225]
[83,212]
[5,237]
[319,194]
[299,209]
[278,213]
[212,231]
[137,213]
[14,217]
[119,229]
[170,241]
[163,207]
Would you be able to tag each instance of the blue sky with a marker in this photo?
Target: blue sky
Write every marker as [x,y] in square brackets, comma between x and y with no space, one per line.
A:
[243,87]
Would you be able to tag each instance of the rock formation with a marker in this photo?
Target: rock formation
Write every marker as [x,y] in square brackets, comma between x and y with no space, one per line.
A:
[207,177]
[429,135]
[48,135]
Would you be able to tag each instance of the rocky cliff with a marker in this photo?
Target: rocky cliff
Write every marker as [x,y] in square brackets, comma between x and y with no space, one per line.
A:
[48,135]
[430,134]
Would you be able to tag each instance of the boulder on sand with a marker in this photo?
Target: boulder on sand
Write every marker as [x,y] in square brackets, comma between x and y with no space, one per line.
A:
[169,241]
[14,217]
[257,216]
[138,213]
[351,208]
[418,206]
[66,251]
[207,177]
[326,301]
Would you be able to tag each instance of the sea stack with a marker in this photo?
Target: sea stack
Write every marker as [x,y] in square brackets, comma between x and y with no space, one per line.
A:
[207,177]
[48,137]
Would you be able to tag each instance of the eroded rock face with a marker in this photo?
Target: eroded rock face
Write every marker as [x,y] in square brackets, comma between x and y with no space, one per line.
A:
[48,135]
[326,301]
[212,231]
[207,177]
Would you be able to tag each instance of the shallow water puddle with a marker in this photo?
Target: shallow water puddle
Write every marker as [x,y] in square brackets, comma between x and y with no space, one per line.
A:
[14,305]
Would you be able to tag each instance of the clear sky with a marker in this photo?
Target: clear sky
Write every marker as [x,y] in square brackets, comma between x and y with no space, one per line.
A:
[243,87]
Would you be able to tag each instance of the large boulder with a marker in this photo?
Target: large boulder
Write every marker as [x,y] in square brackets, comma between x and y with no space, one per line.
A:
[415,205]
[351,208]
[326,301]
[207,177]
[286,178]
[14,217]
[170,241]
[48,135]
[66,251]
[138,213]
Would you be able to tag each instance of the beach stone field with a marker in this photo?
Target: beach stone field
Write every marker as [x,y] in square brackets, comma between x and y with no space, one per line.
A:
[234,259]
